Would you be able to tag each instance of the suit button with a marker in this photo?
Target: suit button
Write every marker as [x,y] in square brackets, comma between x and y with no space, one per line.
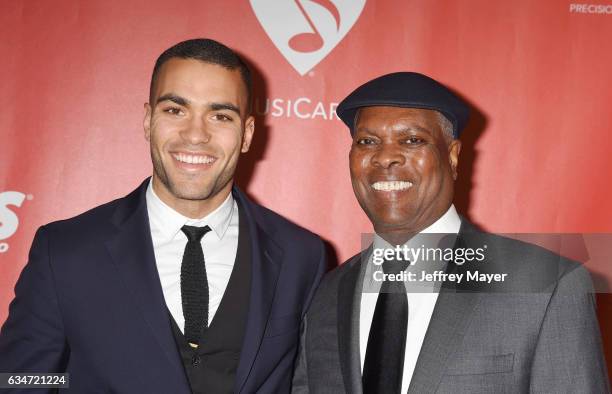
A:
[196,360]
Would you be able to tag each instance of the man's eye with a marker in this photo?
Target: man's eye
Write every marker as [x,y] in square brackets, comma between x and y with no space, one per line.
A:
[365,141]
[222,117]
[414,140]
[173,111]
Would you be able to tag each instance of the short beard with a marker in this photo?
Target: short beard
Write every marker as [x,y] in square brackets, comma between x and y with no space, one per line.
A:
[163,177]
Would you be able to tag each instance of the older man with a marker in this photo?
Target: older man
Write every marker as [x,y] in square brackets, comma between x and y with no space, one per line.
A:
[523,321]
[185,285]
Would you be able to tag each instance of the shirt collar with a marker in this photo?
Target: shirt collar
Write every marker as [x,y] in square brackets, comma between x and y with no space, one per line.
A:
[169,222]
[449,223]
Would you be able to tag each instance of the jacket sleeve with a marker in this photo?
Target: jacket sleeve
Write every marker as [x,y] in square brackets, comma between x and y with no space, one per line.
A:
[32,338]
[300,375]
[568,356]
[318,275]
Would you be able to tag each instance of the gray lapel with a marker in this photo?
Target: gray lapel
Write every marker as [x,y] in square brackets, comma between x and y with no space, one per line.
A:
[349,304]
[448,323]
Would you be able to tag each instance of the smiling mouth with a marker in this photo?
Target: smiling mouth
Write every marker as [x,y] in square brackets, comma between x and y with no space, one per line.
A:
[193,159]
[391,186]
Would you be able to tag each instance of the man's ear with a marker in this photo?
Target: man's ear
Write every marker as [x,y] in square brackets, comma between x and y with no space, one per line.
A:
[249,129]
[454,149]
[147,122]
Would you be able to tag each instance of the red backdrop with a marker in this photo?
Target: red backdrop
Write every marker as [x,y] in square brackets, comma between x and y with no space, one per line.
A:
[75,75]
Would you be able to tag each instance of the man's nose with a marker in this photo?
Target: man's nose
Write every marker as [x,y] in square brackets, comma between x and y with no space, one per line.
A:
[197,131]
[388,155]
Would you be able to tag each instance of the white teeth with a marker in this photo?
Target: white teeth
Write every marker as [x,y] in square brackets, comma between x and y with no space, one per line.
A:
[391,186]
[193,159]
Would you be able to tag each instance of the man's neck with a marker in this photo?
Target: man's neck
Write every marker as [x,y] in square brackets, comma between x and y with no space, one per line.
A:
[448,222]
[193,209]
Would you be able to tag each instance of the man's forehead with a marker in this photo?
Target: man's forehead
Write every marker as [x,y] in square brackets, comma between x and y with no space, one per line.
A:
[192,71]
[196,80]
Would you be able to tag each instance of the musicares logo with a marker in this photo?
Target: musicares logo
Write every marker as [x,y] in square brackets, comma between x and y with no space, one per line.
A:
[8,219]
[305,31]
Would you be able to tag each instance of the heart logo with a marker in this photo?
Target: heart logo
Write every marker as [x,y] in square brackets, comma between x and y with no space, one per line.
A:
[305,31]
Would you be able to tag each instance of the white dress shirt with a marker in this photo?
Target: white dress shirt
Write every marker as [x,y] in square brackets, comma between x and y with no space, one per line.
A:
[420,304]
[219,245]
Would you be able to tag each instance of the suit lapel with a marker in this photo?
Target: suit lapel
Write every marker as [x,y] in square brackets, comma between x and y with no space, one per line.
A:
[266,263]
[446,329]
[132,252]
[449,321]
[349,304]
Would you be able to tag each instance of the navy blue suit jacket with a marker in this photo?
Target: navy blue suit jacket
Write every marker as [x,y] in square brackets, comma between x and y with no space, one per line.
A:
[89,302]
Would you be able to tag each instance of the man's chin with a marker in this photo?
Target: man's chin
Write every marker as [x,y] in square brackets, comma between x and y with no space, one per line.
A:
[192,194]
[190,190]
[394,225]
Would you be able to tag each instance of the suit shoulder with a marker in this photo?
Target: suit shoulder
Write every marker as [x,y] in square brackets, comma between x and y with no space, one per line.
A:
[91,217]
[96,218]
[332,277]
[525,254]
[347,265]
[280,225]
[326,295]
[529,266]
[92,225]
[304,251]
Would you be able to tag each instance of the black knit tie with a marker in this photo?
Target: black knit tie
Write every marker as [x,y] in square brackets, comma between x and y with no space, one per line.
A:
[384,361]
[194,285]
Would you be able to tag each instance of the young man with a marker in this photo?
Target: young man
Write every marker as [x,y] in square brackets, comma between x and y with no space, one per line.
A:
[184,285]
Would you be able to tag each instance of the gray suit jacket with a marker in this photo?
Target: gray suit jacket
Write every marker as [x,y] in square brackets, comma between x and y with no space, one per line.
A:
[538,334]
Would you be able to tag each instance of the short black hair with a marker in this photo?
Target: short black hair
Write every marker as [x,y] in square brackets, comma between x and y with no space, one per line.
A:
[208,51]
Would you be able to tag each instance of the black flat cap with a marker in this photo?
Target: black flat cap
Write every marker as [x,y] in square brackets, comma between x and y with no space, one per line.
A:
[409,90]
